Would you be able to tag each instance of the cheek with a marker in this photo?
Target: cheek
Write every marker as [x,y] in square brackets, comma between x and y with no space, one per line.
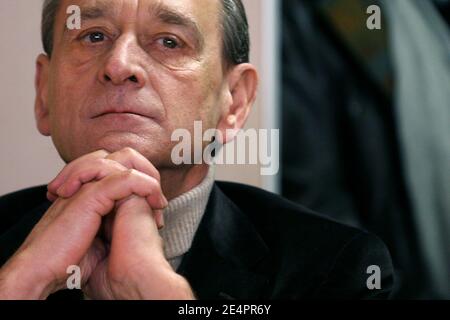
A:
[71,86]
[188,96]
[66,97]
[63,104]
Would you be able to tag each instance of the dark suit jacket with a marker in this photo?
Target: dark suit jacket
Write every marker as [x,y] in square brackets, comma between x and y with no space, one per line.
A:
[251,244]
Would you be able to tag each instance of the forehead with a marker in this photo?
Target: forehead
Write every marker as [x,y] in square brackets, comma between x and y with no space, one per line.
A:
[206,14]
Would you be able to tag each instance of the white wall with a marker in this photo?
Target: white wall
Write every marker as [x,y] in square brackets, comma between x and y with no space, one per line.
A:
[263,18]
[28,159]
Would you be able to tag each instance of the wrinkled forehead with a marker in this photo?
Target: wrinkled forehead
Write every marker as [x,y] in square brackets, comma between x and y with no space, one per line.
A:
[203,15]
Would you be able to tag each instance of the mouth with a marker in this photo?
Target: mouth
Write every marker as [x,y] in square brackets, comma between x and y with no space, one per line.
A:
[122,113]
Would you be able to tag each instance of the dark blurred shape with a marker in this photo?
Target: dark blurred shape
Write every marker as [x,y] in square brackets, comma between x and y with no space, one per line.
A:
[342,150]
[444,8]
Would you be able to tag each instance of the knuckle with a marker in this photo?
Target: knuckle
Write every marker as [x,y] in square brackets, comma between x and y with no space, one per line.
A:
[118,166]
[101,162]
[130,173]
[129,152]
[102,153]
[106,163]
[155,183]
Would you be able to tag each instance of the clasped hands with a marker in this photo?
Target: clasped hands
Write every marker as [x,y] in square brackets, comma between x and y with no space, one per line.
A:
[105,216]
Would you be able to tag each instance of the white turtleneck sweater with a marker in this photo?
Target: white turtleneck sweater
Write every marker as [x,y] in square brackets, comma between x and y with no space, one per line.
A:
[182,218]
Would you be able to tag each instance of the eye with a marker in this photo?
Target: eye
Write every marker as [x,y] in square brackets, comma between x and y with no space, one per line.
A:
[94,37]
[169,43]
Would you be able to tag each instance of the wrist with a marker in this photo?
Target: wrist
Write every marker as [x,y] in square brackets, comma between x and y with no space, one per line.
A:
[20,281]
[163,284]
[155,280]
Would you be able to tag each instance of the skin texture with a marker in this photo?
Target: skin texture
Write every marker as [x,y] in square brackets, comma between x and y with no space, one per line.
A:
[110,97]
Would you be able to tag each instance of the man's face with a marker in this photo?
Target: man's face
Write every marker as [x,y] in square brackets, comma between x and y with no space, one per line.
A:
[135,71]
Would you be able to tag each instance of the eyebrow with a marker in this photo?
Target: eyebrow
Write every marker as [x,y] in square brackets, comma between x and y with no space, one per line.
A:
[166,15]
[170,16]
[92,12]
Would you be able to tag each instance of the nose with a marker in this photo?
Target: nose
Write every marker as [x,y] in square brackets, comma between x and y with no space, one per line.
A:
[122,64]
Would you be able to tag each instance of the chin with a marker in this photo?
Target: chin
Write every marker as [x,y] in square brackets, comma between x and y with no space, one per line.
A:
[154,149]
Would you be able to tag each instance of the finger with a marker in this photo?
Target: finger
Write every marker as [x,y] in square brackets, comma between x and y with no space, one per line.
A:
[98,170]
[90,167]
[93,171]
[159,218]
[100,197]
[132,159]
[135,217]
[157,215]
[65,172]
[51,197]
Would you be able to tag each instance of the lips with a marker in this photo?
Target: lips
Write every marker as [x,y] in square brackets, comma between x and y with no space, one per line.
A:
[124,111]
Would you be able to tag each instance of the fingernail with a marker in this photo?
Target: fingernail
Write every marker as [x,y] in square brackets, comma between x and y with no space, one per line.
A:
[50,187]
[164,202]
[53,182]
[60,191]
[160,218]
[50,196]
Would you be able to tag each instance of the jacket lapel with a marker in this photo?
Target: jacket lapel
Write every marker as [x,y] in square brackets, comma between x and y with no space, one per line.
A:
[228,259]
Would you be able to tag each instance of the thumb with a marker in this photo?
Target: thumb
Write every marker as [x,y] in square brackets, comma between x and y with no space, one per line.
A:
[135,225]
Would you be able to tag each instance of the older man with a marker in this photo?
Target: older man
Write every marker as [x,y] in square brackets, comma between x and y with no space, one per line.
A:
[110,94]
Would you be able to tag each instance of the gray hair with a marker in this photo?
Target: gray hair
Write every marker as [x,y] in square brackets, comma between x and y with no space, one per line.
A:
[236,39]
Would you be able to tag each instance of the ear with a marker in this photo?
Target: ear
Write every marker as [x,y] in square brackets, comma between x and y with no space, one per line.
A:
[242,88]
[41,110]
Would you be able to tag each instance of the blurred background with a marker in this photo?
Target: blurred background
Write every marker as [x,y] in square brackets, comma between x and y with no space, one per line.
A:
[364,115]
[366,123]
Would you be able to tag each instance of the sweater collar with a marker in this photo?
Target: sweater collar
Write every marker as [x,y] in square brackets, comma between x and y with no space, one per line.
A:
[182,217]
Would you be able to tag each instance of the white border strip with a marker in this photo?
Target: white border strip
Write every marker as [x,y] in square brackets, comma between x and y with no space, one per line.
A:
[270,78]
